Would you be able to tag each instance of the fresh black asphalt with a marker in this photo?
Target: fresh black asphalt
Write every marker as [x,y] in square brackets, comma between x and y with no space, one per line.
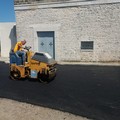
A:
[90,91]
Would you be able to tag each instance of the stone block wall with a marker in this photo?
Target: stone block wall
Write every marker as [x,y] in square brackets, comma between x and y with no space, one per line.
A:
[99,23]
[18,2]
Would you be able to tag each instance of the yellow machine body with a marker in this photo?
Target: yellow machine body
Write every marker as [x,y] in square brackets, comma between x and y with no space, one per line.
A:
[43,71]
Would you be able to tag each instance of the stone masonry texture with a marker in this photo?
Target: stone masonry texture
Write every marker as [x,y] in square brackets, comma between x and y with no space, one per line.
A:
[17,2]
[98,23]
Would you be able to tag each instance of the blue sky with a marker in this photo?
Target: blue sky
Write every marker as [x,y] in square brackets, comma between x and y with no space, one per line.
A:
[7,13]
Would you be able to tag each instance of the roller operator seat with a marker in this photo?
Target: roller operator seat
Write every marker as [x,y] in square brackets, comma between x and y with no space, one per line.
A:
[14,58]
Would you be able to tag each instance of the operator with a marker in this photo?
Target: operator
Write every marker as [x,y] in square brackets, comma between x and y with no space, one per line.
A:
[18,50]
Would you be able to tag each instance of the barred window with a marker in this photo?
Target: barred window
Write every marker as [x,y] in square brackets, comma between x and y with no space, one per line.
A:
[87,45]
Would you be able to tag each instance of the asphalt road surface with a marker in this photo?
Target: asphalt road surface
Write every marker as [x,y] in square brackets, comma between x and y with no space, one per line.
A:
[90,91]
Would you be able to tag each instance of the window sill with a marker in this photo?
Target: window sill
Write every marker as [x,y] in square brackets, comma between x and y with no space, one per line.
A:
[86,50]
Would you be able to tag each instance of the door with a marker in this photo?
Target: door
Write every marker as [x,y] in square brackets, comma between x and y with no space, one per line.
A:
[46,42]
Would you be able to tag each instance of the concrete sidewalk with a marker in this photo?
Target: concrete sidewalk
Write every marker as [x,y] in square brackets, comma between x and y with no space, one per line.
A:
[91,63]
[13,110]
[6,60]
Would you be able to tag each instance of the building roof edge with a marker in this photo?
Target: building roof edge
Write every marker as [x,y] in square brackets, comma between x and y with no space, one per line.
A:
[61,4]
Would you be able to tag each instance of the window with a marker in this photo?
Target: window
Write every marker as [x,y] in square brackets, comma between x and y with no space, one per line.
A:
[86,45]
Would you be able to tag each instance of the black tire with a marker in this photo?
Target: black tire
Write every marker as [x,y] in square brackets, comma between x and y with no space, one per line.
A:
[15,75]
[42,78]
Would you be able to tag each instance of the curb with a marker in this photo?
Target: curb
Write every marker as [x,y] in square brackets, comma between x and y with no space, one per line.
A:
[6,60]
[91,63]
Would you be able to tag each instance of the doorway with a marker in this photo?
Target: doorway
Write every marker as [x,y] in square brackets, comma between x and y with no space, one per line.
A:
[46,42]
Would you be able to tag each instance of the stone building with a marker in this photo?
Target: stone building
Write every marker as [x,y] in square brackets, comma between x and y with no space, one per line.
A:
[71,30]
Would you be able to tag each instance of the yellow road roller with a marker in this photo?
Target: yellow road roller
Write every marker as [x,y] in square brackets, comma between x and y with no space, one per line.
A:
[39,66]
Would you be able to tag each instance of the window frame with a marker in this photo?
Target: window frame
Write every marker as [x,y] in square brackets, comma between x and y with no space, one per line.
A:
[89,44]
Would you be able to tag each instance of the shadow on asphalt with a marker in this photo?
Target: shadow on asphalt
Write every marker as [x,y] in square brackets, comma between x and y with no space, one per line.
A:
[89,91]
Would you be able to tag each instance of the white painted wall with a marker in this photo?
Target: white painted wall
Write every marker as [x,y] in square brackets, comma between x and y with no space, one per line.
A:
[7,37]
